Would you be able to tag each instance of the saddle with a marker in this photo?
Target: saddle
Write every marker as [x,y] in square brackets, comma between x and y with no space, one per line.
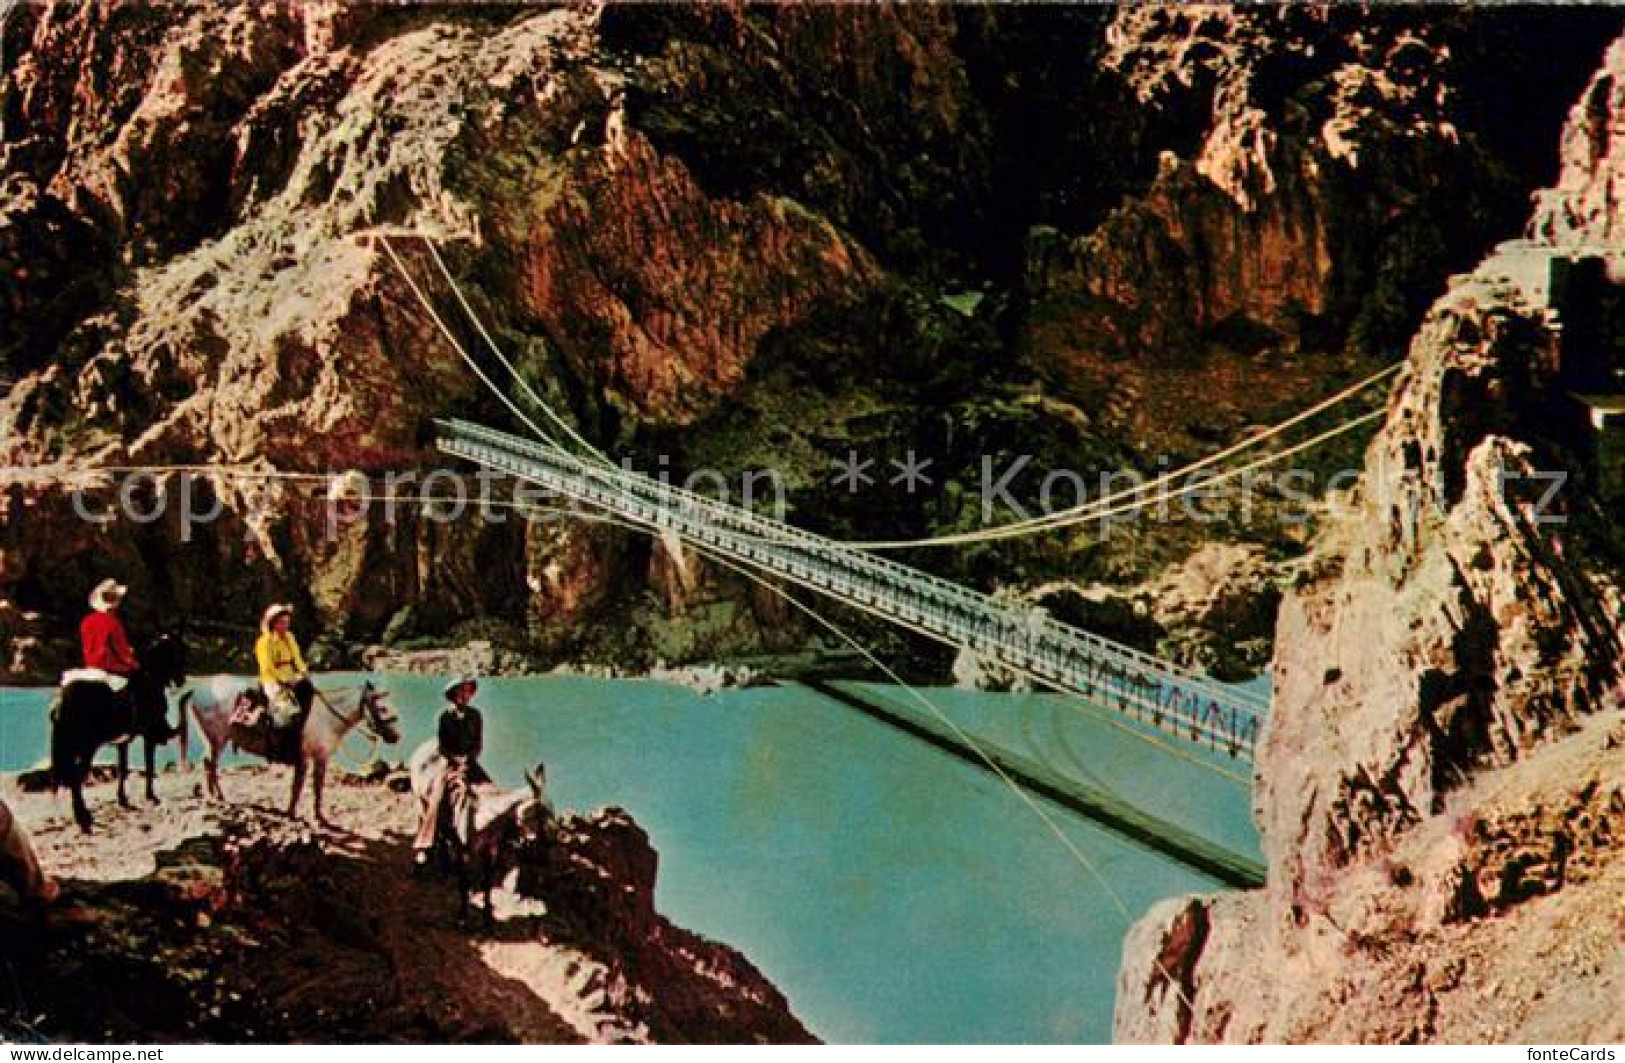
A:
[249,708]
[115,683]
[251,711]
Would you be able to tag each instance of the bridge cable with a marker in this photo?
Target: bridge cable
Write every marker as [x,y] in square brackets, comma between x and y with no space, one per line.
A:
[458,347]
[1099,508]
[513,371]
[603,469]
[1090,511]
[618,478]
[1224,477]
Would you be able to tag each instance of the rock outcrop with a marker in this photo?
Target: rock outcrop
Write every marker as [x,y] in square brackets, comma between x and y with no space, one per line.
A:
[1441,788]
[188,922]
[1583,206]
[1497,921]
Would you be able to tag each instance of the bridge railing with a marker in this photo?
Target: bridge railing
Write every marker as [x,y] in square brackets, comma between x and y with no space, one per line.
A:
[1028,642]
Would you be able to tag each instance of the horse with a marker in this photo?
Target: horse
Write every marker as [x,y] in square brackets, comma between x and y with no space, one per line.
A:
[87,715]
[214,703]
[19,867]
[478,844]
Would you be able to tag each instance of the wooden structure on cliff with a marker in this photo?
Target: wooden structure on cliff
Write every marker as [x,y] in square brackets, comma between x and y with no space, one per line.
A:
[1605,416]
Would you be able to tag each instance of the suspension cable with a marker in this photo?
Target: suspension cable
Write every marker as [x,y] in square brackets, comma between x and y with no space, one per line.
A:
[524,385]
[1009,532]
[400,266]
[1099,509]
[1108,506]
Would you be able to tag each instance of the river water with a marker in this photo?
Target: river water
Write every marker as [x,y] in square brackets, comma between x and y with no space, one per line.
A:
[894,892]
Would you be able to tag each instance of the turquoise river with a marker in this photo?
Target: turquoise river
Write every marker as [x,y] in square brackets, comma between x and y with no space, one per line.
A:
[894,892]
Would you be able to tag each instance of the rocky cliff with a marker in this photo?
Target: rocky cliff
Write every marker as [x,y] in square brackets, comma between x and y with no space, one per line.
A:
[1441,788]
[195,922]
[729,236]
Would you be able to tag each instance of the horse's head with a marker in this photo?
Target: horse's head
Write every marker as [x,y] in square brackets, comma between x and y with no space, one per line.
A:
[381,717]
[535,813]
[165,660]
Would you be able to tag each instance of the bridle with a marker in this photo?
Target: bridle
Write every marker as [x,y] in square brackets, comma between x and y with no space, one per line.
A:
[366,711]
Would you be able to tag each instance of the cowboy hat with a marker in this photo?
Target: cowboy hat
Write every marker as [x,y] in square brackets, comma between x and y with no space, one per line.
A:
[458,683]
[273,611]
[108,593]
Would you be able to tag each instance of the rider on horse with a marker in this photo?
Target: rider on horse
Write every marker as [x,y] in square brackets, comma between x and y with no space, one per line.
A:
[115,699]
[284,679]
[101,634]
[461,741]
[107,653]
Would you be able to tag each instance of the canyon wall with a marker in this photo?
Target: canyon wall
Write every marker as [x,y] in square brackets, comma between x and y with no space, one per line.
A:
[729,236]
[1441,787]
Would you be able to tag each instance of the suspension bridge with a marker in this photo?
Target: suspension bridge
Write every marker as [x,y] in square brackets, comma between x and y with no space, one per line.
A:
[1200,719]
[1149,692]
[1030,643]
[1186,715]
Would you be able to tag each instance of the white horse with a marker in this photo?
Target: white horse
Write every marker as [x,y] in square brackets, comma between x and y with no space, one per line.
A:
[496,824]
[214,701]
[19,867]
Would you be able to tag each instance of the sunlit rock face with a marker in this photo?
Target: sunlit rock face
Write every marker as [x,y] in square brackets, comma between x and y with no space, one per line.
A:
[1583,206]
[221,169]
[240,922]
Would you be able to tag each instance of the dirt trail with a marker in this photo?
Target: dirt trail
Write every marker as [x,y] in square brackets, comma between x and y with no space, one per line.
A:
[192,921]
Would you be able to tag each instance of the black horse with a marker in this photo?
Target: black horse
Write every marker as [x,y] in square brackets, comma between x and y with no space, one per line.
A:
[88,715]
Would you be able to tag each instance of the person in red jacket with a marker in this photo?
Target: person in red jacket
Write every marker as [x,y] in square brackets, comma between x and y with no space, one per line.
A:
[101,634]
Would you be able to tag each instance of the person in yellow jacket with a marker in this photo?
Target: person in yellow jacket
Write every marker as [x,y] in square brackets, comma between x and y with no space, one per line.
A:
[285,680]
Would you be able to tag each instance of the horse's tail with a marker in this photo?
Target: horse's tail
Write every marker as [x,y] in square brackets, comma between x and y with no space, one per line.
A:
[63,761]
[184,725]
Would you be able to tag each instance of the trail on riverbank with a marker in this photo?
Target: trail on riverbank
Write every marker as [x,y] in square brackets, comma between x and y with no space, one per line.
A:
[189,921]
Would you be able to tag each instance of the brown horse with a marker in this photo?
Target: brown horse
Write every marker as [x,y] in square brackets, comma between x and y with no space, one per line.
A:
[481,843]
[88,715]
